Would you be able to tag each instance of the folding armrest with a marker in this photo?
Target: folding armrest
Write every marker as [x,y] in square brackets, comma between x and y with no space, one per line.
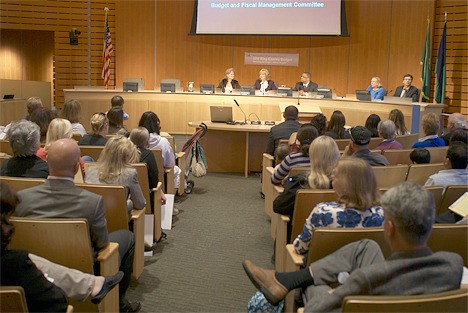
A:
[169,178]
[138,219]
[268,191]
[181,162]
[276,190]
[281,242]
[157,232]
[268,161]
[109,265]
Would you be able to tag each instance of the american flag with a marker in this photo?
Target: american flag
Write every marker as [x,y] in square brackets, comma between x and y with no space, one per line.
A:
[107,50]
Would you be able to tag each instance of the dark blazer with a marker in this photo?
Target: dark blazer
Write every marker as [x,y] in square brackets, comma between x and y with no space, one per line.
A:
[41,295]
[235,84]
[311,87]
[61,198]
[412,92]
[280,131]
[271,85]
[30,166]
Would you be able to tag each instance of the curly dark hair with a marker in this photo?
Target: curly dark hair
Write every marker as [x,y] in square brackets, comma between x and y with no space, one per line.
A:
[9,201]
[319,121]
[151,122]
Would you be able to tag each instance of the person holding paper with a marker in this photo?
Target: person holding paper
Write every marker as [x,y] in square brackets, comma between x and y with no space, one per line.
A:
[305,85]
[264,83]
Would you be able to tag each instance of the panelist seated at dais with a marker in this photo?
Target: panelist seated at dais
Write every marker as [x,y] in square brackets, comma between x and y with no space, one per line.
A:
[264,83]
[228,84]
[376,90]
[407,90]
[305,85]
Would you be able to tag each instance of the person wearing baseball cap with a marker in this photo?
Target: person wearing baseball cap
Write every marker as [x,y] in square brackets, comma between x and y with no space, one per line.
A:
[359,147]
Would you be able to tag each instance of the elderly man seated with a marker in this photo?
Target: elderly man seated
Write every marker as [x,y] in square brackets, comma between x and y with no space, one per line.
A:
[412,269]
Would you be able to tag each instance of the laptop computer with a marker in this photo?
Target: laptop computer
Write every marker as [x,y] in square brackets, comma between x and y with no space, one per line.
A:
[8,97]
[397,100]
[363,95]
[221,114]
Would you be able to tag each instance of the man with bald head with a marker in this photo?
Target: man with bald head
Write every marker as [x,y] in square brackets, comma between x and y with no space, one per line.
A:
[58,197]
[454,122]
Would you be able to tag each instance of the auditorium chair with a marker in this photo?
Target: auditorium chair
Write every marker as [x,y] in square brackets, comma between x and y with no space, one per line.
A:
[306,200]
[67,242]
[13,299]
[5,147]
[389,176]
[269,192]
[436,192]
[325,241]
[166,175]
[76,137]
[451,238]
[438,154]
[419,173]
[267,161]
[448,301]
[407,141]
[374,142]
[342,143]
[92,151]
[396,157]
[115,205]
[275,218]
[3,158]
[20,183]
[451,194]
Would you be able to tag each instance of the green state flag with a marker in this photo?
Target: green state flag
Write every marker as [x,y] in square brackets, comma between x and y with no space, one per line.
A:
[426,65]
[440,68]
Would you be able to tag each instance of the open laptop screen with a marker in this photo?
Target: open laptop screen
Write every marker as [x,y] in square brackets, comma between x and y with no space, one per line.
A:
[221,114]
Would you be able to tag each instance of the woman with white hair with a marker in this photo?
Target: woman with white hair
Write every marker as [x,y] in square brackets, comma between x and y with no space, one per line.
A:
[264,83]
[376,90]
[386,129]
[24,137]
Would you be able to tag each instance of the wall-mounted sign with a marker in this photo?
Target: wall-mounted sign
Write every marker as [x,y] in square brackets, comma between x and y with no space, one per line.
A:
[284,59]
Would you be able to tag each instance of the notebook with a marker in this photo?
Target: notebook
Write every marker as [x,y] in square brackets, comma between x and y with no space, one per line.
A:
[221,114]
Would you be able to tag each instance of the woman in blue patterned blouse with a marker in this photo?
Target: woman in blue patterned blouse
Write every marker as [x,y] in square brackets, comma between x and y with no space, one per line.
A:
[357,206]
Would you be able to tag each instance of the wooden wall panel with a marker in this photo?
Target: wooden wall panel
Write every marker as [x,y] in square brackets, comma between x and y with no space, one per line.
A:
[369,27]
[456,93]
[216,51]
[247,74]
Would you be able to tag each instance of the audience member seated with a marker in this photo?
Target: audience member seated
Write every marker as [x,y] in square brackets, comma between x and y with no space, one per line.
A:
[32,104]
[47,285]
[24,139]
[335,128]
[412,269]
[281,152]
[116,117]
[430,126]
[305,136]
[407,90]
[319,121]
[118,101]
[114,167]
[459,135]
[359,147]
[228,84]
[420,156]
[42,117]
[396,116]
[372,123]
[455,164]
[386,130]
[375,88]
[357,206]
[323,154]
[455,121]
[264,83]
[151,122]
[284,129]
[99,130]
[305,85]
[140,137]
[69,201]
[72,111]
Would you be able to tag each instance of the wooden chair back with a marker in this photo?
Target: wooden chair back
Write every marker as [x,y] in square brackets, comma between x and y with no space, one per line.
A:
[142,173]
[67,242]
[374,142]
[3,158]
[306,200]
[77,137]
[451,194]
[389,176]
[450,237]
[438,154]
[407,141]
[453,301]
[327,240]
[396,157]
[171,141]
[159,162]
[436,192]
[419,173]
[267,161]
[5,147]
[20,183]
[92,151]
[115,204]
[13,299]
[298,170]
[342,143]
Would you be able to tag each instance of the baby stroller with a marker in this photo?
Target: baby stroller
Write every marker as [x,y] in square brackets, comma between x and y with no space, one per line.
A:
[197,162]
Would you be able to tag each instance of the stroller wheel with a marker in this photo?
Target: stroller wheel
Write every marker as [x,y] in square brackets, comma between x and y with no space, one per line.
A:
[189,186]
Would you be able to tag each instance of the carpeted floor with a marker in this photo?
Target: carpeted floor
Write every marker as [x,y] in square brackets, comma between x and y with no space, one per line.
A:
[198,267]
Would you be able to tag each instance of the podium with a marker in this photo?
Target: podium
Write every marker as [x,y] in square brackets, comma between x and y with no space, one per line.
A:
[306,110]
